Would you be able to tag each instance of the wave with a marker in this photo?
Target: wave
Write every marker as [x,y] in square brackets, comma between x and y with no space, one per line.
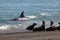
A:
[32,16]
[13,28]
[7,27]
[45,14]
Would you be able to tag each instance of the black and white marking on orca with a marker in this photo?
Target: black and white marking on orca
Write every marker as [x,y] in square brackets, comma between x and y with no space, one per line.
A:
[22,17]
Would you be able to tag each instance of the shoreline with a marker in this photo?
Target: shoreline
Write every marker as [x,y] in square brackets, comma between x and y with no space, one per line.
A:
[28,32]
[53,35]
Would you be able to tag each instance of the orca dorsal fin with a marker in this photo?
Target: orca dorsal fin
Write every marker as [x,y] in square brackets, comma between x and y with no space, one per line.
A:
[22,15]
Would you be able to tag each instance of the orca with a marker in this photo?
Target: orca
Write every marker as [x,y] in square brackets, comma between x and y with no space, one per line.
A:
[21,17]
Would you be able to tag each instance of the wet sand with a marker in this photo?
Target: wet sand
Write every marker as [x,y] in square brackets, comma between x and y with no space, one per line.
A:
[53,35]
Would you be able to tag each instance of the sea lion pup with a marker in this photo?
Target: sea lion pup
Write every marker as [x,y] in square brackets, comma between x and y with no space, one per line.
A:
[58,27]
[52,27]
[21,16]
[41,28]
[31,27]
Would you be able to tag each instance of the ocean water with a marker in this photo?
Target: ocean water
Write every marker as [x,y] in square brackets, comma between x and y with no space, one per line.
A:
[36,10]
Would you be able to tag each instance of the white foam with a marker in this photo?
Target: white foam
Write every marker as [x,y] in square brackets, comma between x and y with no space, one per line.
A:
[45,14]
[12,29]
[23,18]
[32,16]
[8,27]
[3,27]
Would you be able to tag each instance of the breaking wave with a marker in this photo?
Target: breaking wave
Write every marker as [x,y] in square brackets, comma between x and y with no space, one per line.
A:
[45,14]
